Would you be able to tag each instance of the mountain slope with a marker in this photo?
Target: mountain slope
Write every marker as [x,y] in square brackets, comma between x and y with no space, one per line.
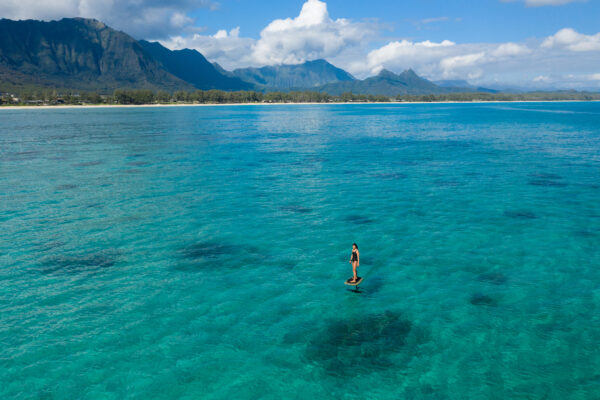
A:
[80,54]
[191,66]
[386,83]
[309,74]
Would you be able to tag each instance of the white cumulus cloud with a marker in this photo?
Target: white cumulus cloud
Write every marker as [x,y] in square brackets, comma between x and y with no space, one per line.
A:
[394,54]
[567,59]
[225,47]
[467,60]
[311,35]
[438,60]
[510,49]
[572,40]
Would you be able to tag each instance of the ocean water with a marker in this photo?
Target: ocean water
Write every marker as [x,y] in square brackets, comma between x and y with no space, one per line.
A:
[200,252]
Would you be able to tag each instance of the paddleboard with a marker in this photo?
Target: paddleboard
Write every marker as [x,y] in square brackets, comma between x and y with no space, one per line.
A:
[358,281]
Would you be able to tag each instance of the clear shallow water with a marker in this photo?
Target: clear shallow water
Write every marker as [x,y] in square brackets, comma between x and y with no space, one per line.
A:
[200,252]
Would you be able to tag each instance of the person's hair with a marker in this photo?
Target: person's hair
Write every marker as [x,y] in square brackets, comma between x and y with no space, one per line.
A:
[355,245]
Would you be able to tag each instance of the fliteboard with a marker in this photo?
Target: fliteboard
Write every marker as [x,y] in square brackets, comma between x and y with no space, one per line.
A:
[358,281]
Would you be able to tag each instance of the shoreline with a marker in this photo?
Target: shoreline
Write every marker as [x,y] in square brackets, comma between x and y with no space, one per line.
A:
[86,106]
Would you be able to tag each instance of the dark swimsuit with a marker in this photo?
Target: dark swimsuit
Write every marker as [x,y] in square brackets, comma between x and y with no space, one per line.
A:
[354,257]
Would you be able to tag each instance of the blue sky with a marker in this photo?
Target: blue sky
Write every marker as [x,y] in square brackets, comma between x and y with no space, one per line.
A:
[492,20]
[527,43]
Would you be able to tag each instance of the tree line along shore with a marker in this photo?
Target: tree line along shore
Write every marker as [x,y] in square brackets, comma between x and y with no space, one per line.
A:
[141,97]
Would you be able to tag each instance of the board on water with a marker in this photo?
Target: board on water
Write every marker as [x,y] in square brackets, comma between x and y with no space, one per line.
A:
[358,281]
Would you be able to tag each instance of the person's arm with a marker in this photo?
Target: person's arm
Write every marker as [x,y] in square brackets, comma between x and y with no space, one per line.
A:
[357,258]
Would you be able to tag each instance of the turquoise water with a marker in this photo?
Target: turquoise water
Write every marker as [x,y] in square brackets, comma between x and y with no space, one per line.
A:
[200,252]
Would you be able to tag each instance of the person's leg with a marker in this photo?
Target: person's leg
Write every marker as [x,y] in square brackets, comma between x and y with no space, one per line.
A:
[355,278]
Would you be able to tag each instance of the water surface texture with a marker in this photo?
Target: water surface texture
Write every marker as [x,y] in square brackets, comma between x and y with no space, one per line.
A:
[200,252]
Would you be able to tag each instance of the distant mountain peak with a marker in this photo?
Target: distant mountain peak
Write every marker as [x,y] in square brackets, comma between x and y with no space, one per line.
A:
[410,73]
[318,61]
[386,73]
[386,83]
[406,74]
[308,74]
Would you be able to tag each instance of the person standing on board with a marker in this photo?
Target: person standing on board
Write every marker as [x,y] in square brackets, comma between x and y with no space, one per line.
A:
[355,261]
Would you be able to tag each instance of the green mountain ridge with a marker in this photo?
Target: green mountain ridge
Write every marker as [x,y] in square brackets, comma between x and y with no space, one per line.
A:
[78,53]
[309,74]
[386,83]
[85,54]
